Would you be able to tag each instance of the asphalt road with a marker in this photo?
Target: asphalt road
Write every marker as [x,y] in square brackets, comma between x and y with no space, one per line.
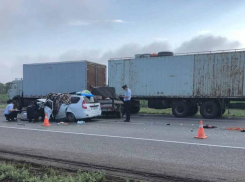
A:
[147,144]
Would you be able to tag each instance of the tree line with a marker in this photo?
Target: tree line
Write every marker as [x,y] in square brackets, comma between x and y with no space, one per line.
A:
[4,87]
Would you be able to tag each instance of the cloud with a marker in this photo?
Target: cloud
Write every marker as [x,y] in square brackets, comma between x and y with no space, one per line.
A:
[199,43]
[203,32]
[118,21]
[22,17]
[91,22]
[79,23]
[207,43]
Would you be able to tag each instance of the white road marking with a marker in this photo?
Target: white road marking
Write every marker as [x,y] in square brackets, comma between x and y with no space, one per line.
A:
[123,137]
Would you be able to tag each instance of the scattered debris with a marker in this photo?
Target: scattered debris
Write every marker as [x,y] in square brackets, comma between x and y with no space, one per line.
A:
[63,123]
[243,130]
[80,122]
[209,126]
[21,124]
[168,124]
[238,129]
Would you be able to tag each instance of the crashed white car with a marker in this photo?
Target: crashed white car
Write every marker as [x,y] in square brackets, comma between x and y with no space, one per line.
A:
[81,107]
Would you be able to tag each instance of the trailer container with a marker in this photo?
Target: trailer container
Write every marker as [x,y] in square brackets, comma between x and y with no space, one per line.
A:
[61,77]
[182,82]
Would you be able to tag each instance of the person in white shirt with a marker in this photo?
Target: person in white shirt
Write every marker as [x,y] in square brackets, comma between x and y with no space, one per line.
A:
[127,102]
[9,112]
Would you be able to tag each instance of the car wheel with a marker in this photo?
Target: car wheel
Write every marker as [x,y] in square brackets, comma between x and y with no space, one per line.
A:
[180,109]
[71,117]
[209,109]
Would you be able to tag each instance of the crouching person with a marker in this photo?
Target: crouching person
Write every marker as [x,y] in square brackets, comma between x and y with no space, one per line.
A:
[32,112]
[10,113]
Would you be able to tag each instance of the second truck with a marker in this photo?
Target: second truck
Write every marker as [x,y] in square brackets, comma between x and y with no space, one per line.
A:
[212,80]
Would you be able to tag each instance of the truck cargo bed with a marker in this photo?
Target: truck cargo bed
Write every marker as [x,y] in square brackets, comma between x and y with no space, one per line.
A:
[61,77]
[212,75]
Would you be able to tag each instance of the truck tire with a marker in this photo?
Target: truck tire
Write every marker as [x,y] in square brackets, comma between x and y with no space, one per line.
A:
[71,117]
[209,110]
[165,53]
[135,110]
[180,109]
[193,110]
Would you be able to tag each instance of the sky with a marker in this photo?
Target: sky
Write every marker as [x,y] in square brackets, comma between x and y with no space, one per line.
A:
[36,31]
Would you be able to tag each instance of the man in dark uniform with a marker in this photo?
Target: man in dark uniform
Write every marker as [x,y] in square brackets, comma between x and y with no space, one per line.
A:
[127,102]
[32,112]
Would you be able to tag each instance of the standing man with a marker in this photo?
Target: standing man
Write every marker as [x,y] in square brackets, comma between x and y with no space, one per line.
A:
[9,112]
[127,102]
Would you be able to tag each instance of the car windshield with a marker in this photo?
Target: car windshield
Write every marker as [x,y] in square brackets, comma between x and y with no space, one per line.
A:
[89,99]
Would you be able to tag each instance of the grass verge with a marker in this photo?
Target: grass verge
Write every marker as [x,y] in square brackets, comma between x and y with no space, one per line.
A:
[17,172]
[228,113]
[3,101]
[25,172]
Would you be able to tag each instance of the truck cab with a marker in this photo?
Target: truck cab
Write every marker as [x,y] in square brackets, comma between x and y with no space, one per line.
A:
[15,89]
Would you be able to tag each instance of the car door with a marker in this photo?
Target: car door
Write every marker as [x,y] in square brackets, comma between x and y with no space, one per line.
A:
[76,107]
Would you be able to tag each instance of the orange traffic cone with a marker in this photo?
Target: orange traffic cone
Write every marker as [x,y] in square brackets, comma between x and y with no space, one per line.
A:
[46,121]
[200,133]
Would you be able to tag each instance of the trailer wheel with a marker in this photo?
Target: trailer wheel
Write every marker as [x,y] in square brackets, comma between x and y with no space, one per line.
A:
[135,110]
[193,110]
[209,109]
[71,117]
[180,109]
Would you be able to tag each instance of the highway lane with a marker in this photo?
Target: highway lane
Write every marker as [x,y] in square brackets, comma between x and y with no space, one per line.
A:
[145,144]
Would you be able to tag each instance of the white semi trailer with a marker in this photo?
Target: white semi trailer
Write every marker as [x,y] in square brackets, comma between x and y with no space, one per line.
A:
[183,82]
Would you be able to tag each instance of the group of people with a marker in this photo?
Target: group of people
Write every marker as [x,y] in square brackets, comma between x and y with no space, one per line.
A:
[11,111]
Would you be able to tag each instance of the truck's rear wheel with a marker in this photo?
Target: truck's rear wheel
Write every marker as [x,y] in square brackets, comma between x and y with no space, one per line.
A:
[180,109]
[209,109]
[135,110]
[193,110]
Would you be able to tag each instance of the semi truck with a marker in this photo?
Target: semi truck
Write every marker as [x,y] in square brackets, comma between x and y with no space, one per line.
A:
[213,81]
[62,77]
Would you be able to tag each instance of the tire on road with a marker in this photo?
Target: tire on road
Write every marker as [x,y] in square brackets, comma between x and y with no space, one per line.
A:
[180,109]
[209,109]
[193,110]
[71,117]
